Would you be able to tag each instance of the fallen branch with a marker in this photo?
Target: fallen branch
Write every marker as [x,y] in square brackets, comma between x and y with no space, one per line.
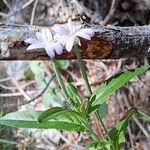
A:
[108,42]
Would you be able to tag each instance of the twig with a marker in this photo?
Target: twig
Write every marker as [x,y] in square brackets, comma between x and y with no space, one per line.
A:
[141,127]
[8,142]
[14,88]
[7,4]
[13,94]
[40,94]
[130,137]
[112,11]
[3,15]
[5,79]
[33,12]
[26,96]
[22,8]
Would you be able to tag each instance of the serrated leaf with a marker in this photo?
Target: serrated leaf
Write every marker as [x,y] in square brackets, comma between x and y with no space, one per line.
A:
[62,114]
[106,89]
[29,119]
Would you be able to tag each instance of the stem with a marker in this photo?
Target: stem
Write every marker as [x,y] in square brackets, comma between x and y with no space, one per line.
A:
[59,78]
[83,72]
[82,68]
[103,125]
[91,132]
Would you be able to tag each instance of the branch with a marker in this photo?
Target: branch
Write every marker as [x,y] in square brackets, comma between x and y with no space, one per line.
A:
[108,42]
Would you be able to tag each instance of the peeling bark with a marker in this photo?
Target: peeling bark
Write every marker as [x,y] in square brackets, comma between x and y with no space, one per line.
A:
[108,42]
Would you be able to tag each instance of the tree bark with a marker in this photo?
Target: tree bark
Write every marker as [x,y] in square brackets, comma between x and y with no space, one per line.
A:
[108,42]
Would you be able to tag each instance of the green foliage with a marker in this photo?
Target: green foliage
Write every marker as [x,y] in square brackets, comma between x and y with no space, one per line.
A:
[52,95]
[108,87]
[61,113]
[63,64]
[94,145]
[117,133]
[102,110]
[73,95]
[29,119]
[144,116]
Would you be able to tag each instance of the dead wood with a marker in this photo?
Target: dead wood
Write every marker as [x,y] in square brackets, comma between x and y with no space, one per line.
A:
[108,42]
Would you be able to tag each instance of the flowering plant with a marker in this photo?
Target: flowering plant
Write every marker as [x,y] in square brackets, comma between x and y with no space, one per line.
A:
[77,117]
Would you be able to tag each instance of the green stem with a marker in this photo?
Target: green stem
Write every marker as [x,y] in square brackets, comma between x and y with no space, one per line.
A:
[82,68]
[103,125]
[90,131]
[59,78]
[83,72]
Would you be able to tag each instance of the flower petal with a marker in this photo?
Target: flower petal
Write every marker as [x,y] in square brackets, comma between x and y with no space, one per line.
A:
[39,36]
[58,48]
[48,34]
[50,51]
[31,41]
[35,46]
[70,43]
[83,35]
[62,39]
[88,31]
[61,29]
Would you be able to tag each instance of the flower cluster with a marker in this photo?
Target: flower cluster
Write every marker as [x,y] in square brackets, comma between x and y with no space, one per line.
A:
[65,37]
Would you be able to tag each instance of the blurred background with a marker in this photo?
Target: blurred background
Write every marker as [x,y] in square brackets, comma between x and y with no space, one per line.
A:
[26,85]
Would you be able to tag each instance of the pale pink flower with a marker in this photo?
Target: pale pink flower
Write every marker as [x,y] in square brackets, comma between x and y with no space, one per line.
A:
[44,39]
[67,34]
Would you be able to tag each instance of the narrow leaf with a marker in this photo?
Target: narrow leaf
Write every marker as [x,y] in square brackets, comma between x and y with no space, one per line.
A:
[29,119]
[106,89]
[61,114]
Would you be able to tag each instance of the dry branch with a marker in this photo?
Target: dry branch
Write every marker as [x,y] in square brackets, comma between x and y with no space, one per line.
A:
[108,42]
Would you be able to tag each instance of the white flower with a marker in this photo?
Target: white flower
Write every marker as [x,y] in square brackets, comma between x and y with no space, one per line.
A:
[45,40]
[67,34]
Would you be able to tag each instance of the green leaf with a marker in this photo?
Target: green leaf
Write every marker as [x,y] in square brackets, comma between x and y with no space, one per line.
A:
[29,119]
[63,64]
[97,145]
[106,89]
[102,110]
[117,133]
[74,98]
[144,116]
[61,114]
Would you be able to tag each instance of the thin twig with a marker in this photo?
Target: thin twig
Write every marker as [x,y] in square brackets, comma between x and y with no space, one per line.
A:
[130,137]
[3,15]
[5,79]
[16,94]
[21,9]
[8,142]
[26,96]
[33,12]
[40,94]
[111,13]
[7,4]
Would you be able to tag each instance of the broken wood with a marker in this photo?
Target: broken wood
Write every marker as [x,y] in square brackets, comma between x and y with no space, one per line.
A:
[108,42]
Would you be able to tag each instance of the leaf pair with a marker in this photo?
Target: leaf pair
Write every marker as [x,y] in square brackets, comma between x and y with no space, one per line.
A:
[56,117]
